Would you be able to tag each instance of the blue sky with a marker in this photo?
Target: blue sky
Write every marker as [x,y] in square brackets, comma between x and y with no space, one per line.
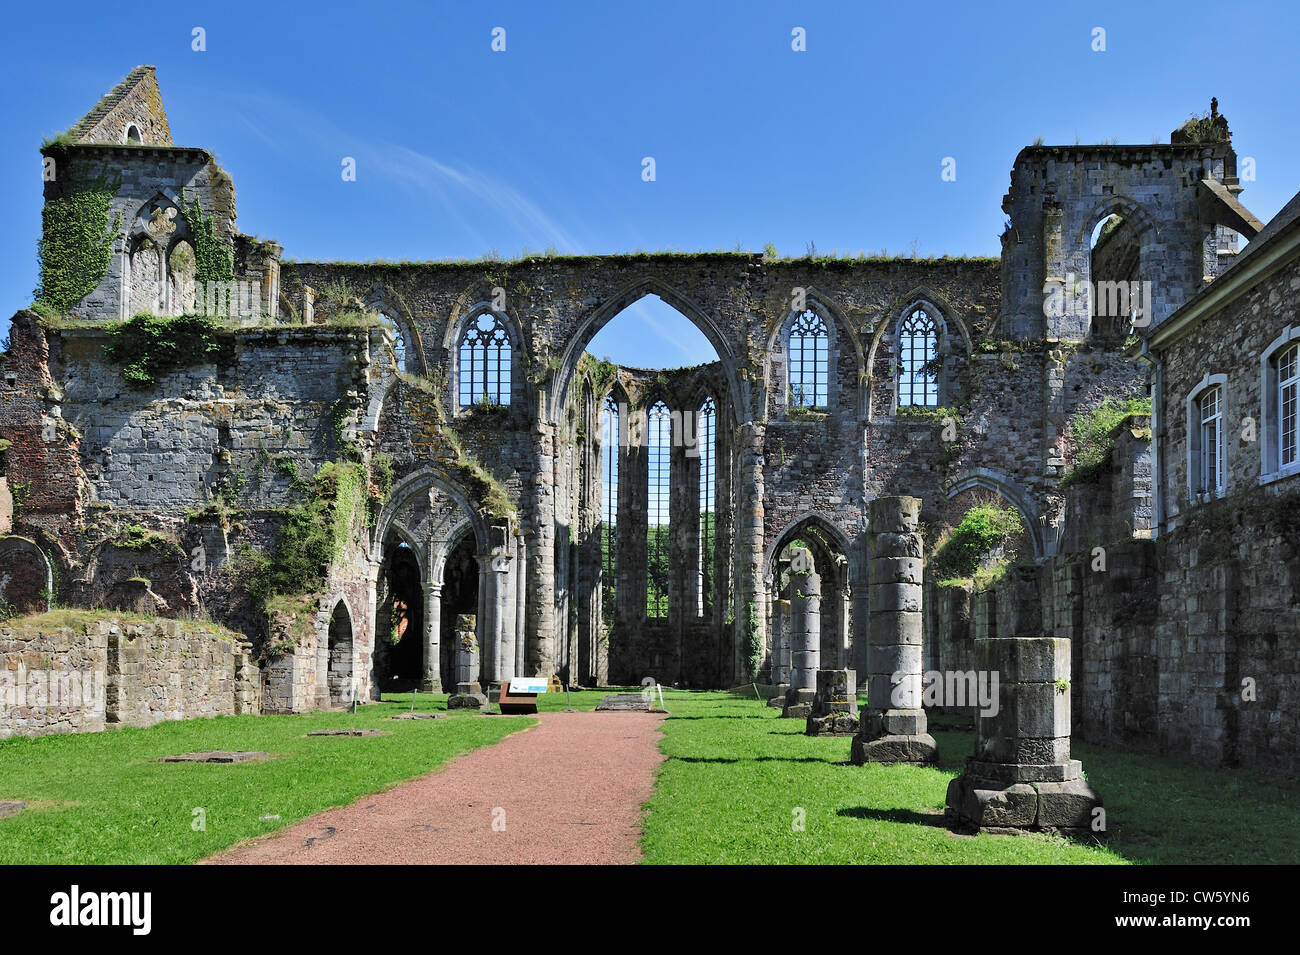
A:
[461,150]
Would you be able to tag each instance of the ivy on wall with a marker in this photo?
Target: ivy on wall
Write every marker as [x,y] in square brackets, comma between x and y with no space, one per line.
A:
[149,346]
[76,243]
[213,259]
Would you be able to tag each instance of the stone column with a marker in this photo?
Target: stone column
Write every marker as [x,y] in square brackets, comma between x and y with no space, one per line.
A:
[1021,775]
[749,544]
[469,692]
[835,708]
[805,643]
[541,558]
[521,606]
[781,645]
[432,680]
[502,627]
[894,730]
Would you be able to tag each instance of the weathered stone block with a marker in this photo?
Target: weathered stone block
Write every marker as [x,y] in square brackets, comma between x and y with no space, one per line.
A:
[1068,805]
[919,749]
[833,724]
[890,598]
[894,628]
[894,723]
[894,514]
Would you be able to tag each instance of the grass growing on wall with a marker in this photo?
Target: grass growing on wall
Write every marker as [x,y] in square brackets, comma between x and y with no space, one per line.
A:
[982,529]
[103,798]
[76,244]
[312,535]
[1090,436]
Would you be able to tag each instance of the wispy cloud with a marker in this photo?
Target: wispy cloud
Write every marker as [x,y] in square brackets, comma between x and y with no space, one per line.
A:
[466,194]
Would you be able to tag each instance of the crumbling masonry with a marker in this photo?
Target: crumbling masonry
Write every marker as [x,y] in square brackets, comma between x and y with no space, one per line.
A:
[182,475]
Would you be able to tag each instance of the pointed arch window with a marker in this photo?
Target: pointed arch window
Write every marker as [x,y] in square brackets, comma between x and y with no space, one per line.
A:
[659,445]
[707,432]
[810,347]
[399,341]
[484,362]
[609,449]
[918,350]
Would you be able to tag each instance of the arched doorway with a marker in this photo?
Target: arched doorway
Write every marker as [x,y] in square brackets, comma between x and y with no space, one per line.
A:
[830,561]
[399,636]
[339,677]
[459,596]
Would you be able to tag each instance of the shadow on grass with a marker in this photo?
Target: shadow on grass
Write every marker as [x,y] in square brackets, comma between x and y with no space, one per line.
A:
[910,816]
[751,759]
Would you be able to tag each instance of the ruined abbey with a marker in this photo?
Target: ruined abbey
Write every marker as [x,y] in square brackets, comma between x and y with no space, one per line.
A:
[361,469]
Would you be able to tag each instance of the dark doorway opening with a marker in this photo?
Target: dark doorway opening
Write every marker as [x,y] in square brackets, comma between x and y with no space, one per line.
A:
[399,646]
[459,595]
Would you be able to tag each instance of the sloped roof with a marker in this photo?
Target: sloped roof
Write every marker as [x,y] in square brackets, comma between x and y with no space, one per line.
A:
[110,101]
[1280,223]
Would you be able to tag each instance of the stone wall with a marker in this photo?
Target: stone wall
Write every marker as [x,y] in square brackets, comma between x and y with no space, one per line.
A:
[1229,348]
[105,673]
[160,671]
[1059,193]
[1189,643]
[52,681]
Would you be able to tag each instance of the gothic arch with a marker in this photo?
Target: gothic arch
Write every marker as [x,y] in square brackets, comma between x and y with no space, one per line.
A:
[418,483]
[839,329]
[821,522]
[630,293]
[442,549]
[944,313]
[460,319]
[1044,540]
[381,300]
[1128,209]
[398,529]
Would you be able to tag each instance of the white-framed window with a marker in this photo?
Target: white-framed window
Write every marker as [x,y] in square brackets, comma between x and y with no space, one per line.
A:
[1207,447]
[1209,476]
[1280,394]
[1288,407]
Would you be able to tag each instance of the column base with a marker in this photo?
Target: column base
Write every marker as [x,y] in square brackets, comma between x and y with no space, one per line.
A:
[468,696]
[431,686]
[1067,806]
[799,703]
[833,724]
[918,749]
[894,736]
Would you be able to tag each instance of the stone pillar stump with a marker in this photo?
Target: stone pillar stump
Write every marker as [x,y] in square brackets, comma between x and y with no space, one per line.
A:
[805,643]
[469,694]
[1022,776]
[894,728]
[835,709]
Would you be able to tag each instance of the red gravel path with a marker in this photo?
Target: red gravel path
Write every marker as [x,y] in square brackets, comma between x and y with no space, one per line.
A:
[571,788]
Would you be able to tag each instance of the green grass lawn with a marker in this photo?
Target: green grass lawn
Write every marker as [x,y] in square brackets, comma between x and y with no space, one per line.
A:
[104,798]
[736,774]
